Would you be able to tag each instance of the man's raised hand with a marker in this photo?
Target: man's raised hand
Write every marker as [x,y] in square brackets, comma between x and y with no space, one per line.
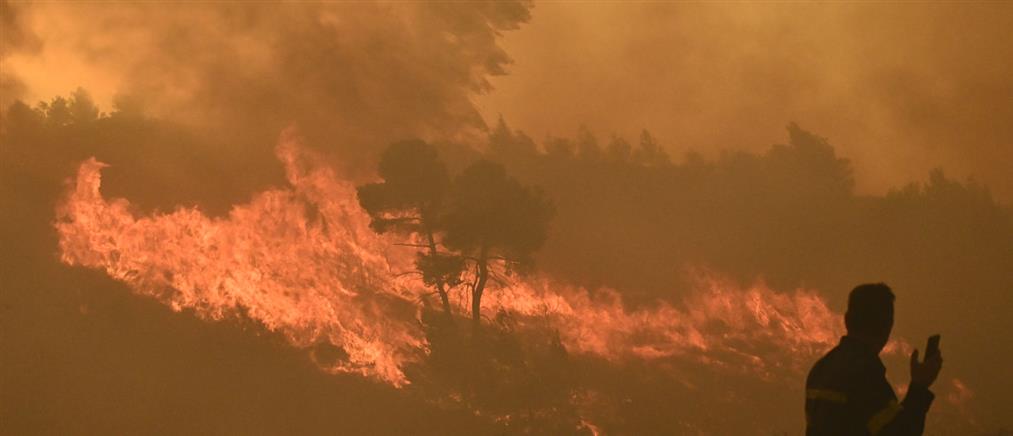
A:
[924,373]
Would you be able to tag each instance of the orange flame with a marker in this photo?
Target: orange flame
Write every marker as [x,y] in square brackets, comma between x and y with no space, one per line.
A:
[756,328]
[326,278]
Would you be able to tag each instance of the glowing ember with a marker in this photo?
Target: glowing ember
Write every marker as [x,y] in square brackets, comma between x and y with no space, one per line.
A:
[324,277]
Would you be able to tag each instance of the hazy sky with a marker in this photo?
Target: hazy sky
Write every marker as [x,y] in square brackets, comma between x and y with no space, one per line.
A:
[899,88]
[352,76]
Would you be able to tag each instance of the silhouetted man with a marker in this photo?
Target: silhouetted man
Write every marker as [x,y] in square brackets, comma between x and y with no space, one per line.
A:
[847,392]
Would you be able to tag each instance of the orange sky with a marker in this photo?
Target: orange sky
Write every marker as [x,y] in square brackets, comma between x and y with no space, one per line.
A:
[897,88]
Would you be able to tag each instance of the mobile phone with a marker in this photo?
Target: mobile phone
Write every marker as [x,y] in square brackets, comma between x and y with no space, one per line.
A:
[932,348]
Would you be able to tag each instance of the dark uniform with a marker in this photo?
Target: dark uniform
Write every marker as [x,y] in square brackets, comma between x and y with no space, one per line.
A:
[847,394]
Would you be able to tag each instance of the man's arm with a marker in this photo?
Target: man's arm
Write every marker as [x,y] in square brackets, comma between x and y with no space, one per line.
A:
[908,418]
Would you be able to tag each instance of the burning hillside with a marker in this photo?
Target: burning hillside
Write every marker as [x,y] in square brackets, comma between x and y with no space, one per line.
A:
[496,217]
[301,260]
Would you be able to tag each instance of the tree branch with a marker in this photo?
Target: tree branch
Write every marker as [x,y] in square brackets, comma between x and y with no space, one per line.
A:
[405,244]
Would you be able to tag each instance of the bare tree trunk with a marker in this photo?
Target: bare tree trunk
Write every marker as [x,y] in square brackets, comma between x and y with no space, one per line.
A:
[476,293]
[440,286]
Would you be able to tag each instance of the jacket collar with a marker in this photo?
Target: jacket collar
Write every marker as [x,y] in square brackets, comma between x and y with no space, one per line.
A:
[858,347]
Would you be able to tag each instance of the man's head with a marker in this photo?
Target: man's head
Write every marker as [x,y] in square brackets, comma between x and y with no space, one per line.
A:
[870,314]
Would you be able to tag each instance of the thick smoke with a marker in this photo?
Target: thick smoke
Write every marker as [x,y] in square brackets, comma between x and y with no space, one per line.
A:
[14,38]
[353,76]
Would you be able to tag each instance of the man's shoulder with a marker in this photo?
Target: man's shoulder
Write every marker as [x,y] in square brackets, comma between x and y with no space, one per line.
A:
[839,368]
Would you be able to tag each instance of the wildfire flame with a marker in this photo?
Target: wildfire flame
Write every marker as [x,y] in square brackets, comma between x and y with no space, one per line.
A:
[755,329]
[327,278]
[302,261]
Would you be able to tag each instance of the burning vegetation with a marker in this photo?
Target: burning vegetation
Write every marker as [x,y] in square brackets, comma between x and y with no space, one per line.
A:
[394,265]
[304,261]
[349,273]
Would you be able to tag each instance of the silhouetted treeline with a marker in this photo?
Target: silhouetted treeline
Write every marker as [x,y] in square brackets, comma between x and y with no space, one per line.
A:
[154,163]
[790,215]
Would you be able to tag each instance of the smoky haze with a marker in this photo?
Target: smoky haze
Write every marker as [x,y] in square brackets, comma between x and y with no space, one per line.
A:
[195,98]
[901,87]
[353,77]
